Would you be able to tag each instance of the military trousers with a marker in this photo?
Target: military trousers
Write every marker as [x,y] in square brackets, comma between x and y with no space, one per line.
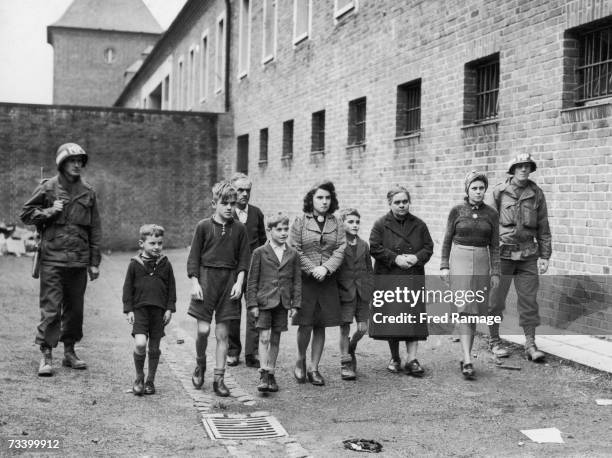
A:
[526,283]
[62,294]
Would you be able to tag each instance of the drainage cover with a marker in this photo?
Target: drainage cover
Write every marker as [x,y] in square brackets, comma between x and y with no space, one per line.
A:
[243,428]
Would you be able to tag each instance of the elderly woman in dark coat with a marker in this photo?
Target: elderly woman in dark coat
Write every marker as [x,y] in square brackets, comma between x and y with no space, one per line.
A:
[401,244]
[470,257]
[319,239]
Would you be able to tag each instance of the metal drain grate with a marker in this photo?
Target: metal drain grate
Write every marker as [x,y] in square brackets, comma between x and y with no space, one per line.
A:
[243,428]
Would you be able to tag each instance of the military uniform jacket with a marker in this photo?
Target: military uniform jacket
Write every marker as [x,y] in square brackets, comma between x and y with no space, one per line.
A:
[522,220]
[72,237]
[271,282]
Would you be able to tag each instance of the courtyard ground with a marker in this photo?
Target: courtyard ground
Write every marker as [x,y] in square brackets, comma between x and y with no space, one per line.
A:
[93,413]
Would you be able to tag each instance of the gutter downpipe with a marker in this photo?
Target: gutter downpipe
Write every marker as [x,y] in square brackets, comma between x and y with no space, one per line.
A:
[228,9]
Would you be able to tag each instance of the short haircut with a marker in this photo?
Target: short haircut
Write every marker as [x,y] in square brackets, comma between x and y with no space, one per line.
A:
[275,220]
[151,230]
[349,211]
[397,189]
[223,192]
[326,186]
[240,176]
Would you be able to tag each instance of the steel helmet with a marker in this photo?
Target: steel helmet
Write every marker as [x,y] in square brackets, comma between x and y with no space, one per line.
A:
[69,150]
[523,158]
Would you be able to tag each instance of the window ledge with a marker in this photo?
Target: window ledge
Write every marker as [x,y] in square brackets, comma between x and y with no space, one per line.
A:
[488,122]
[415,134]
[267,59]
[345,10]
[586,113]
[481,129]
[243,74]
[357,147]
[298,40]
[286,159]
[318,153]
[262,162]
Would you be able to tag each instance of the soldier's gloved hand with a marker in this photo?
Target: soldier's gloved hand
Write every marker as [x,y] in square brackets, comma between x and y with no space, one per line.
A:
[58,206]
[542,266]
[94,272]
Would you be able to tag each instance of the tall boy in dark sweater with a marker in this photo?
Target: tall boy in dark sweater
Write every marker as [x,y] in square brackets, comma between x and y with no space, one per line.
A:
[149,298]
[217,263]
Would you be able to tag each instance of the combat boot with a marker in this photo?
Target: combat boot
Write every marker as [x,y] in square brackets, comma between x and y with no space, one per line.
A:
[531,351]
[495,343]
[45,369]
[71,359]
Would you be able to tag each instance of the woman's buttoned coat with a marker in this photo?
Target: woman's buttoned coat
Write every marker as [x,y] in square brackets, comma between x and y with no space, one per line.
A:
[316,247]
[390,238]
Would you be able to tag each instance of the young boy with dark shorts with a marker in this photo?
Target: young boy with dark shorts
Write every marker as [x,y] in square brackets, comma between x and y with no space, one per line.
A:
[274,286]
[355,284]
[149,298]
[217,263]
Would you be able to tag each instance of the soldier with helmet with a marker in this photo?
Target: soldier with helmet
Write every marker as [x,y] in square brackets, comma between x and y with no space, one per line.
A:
[525,249]
[65,213]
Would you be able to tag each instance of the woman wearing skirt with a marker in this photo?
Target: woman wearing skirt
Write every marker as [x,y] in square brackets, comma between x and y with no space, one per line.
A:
[470,258]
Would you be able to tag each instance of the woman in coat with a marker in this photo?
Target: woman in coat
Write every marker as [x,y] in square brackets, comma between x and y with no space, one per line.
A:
[320,241]
[470,257]
[400,244]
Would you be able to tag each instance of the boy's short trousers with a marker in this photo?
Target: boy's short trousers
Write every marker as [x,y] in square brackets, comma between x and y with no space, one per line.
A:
[275,319]
[149,321]
[348,310]
[216,286]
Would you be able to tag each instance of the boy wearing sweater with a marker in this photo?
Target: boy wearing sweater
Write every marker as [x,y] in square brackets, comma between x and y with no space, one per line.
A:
[149,298]
[217,263]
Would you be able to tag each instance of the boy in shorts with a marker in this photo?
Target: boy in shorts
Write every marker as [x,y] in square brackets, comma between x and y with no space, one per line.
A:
[149,298]
[274,286]
[217,263]
[355,283]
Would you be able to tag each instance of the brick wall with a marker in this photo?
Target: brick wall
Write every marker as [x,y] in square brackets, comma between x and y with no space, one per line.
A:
[145,166]
[80,74]
[371,51]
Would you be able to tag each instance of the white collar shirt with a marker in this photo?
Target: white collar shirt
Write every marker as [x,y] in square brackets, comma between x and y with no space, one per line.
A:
[242,214]
[279,250]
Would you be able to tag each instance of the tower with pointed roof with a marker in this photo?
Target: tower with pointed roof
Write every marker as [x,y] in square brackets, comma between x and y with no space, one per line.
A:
[94,43]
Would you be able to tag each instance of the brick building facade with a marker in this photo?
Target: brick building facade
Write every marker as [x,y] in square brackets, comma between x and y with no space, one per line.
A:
[372,93]
[94,43]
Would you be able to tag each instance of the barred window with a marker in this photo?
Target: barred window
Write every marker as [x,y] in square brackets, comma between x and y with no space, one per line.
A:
[242,161]
[408,114]
[318,131]
[357,122]
[288,139]
[481,89]
[595,64]
[263,145]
